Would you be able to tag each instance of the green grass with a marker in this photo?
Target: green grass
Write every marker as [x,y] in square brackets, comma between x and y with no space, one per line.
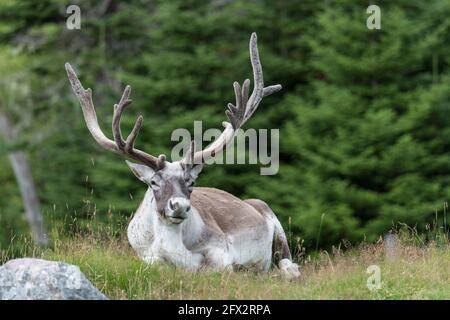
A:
[415,271]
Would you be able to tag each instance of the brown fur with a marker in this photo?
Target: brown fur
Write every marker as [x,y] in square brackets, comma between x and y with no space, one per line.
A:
[223,212]
[261,206]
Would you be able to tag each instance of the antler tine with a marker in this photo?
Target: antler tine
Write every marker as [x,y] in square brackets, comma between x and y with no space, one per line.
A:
[245,107]
[236,113]
[129,143]
[118,145]
[258,91]
[271,89]
[118,110]
[87,106]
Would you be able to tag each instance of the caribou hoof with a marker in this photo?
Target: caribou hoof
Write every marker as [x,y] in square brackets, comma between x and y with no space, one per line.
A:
[152,260]
[289,270]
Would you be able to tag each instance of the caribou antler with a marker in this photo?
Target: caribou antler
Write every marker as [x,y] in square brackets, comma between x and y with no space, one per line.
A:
[118,145]
[245,107]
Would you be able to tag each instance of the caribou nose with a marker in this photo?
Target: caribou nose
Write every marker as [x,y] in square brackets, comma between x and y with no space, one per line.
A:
[171,205]
[179,205]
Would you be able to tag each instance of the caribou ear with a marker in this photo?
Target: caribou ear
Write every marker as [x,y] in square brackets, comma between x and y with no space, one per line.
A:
[142,172]
[195,170]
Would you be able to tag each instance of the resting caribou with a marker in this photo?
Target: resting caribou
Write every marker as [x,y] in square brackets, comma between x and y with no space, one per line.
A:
[196,227]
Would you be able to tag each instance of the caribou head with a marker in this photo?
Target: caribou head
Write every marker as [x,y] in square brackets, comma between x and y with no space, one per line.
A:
[216,228]
[171,185]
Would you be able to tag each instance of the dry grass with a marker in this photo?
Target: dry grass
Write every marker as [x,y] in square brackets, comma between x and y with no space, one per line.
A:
[408,271]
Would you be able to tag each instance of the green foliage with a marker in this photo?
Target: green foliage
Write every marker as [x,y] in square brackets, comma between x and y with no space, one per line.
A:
[362,115]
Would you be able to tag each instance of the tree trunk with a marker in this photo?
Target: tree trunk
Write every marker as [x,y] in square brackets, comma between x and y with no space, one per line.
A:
[22,172]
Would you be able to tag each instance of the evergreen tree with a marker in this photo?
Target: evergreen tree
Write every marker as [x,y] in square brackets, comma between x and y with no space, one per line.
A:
[369,140]
[362,114]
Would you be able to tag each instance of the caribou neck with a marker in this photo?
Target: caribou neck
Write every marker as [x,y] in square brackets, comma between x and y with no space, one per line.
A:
[184,234]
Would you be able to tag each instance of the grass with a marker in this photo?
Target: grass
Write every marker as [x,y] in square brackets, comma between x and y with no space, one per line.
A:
[410,269]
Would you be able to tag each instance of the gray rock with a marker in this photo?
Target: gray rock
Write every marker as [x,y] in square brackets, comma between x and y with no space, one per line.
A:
[37,279]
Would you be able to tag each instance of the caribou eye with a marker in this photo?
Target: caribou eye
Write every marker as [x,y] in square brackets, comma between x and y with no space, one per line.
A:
[154,184]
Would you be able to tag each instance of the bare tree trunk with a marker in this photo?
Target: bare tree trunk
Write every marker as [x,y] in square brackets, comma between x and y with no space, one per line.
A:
[22,172]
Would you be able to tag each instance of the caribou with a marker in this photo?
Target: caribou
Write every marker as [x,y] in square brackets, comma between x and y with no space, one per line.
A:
[196,227]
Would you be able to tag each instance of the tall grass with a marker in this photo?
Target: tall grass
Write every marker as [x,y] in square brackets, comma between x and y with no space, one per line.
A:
[414,266]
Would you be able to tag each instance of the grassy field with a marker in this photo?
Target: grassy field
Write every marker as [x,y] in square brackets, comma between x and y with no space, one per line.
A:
[409,270]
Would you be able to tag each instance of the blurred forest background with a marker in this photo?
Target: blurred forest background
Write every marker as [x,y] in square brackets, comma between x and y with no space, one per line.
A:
[363,115]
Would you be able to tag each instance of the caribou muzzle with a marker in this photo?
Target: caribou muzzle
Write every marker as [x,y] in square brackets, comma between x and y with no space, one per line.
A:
[177,209]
